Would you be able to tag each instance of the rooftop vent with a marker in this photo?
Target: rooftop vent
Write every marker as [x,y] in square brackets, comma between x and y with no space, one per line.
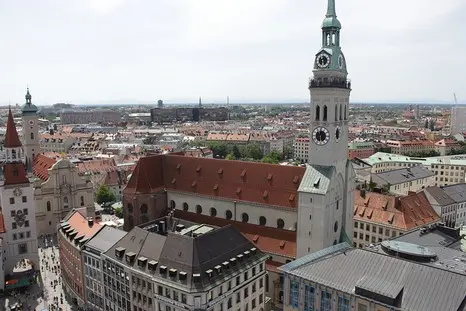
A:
[182,275]
[296,179]
[172,273]
[226,264]
[216,187]
[253,251]
[198,169]
[163,269]
[193,184]
[291,198]
[265,194]
[218,268]
[173,180]
[196,277]
[179,228]
[238,191]
[130,257]
[142,262]
[255,238]
[233,261]
[119,252]
[243,174]
[270,177]
[209,273]
[152,265]
[178,166]
[282,244]
[247,254]
[240,257]
[220,171]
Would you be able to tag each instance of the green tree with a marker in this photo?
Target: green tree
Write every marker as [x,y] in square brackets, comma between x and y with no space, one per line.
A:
[251,151]
[236,152]
[230,156]
[119,212]
[220,150]
[104,195]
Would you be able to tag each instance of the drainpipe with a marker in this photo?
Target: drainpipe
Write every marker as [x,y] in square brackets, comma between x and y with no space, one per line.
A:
[234,210]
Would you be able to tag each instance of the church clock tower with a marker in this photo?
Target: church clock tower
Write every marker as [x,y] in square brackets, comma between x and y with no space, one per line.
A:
[30,131]
[325,214]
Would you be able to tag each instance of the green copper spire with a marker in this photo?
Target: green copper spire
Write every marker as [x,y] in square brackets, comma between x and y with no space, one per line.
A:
[331,20]
[331,9]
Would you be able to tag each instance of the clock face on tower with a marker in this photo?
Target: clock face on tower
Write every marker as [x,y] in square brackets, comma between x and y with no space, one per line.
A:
[31,122]
[337,134]
[320,135]
[341,61]
[323,60]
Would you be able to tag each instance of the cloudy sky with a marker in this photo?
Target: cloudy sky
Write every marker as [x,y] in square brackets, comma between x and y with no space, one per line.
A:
[85,51]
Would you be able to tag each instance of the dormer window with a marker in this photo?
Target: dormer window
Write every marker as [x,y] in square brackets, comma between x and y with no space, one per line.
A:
[163,269]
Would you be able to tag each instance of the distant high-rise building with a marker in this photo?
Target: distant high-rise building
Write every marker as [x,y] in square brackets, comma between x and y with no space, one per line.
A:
[160,103]
[458,120]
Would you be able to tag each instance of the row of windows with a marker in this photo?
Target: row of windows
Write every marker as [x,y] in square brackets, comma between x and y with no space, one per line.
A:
[21,235]
[143,209]
[310,298]
[325,112]
[24,199]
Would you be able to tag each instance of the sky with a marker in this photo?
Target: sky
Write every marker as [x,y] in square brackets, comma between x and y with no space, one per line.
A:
[92,51]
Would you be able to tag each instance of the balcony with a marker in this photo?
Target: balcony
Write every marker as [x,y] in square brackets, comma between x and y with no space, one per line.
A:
[340,83]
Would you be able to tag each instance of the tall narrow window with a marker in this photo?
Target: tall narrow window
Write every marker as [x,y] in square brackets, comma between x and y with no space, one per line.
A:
[317,112]
[32,135]
[346,115]
[341,112]
[336,112]
[325,113]
[13,154]
[294,294]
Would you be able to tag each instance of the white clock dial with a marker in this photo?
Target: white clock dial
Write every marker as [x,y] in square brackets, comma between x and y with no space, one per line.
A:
[323,60]
[31,122]
[341,61]
[337,134]
[320,135]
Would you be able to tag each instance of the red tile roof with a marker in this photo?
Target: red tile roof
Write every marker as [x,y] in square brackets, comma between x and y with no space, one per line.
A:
[236,180]
[11,135]
[80,224]
[41,166]
[272,266]
[404,213]
[269,240]
[15,174]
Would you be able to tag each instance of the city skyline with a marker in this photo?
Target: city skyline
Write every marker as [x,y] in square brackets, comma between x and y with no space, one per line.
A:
[94,51]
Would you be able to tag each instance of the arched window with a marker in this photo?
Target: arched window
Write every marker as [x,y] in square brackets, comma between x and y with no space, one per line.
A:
[335,242]
[244,217]
[172,204]
[13,154]
[82,200]
[228,214]
[335,226]
[49,207]
[213,212]
[346,115]
[32,135]
[130,208]
[185,207]
[341,112]
[144,209]
[336,112]
[198,209]
[280,223]
[65,200]
[317,112]
[262,221]
[325,113]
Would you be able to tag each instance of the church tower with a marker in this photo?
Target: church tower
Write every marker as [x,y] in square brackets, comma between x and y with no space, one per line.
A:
[30,131]
[17,204]
[325,216]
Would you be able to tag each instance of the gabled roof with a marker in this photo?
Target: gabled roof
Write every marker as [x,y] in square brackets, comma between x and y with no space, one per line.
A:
[11,135]
[439,195]
[41,166]
[235,180]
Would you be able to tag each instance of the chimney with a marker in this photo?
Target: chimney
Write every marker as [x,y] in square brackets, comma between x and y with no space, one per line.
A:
[90,221]
[51,131]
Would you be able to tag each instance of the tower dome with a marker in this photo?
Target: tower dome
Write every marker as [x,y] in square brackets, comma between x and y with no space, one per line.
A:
[331,20]
[29,108]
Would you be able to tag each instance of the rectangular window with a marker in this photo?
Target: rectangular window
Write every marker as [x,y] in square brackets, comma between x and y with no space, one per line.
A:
[309,298]
[343,304]
[294,294]
[24,198]
[326,301]
[12,200]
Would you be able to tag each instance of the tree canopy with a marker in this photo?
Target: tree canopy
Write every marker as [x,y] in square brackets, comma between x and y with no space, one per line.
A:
[104,195]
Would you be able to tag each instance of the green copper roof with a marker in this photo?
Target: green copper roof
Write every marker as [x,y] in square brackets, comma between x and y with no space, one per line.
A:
[331,20]
[29,107]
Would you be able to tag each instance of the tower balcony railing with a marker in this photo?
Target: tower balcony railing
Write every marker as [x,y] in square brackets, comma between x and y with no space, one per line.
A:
[340,83]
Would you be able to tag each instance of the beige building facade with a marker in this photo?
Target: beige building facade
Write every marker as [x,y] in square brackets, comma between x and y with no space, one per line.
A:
[62,191]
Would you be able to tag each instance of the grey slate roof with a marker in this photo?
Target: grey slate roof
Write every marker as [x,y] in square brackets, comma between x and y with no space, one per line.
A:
[402,175]
[456,192]
[439,195]
[425,288]
[185,253]
[105,238]
[316,179]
